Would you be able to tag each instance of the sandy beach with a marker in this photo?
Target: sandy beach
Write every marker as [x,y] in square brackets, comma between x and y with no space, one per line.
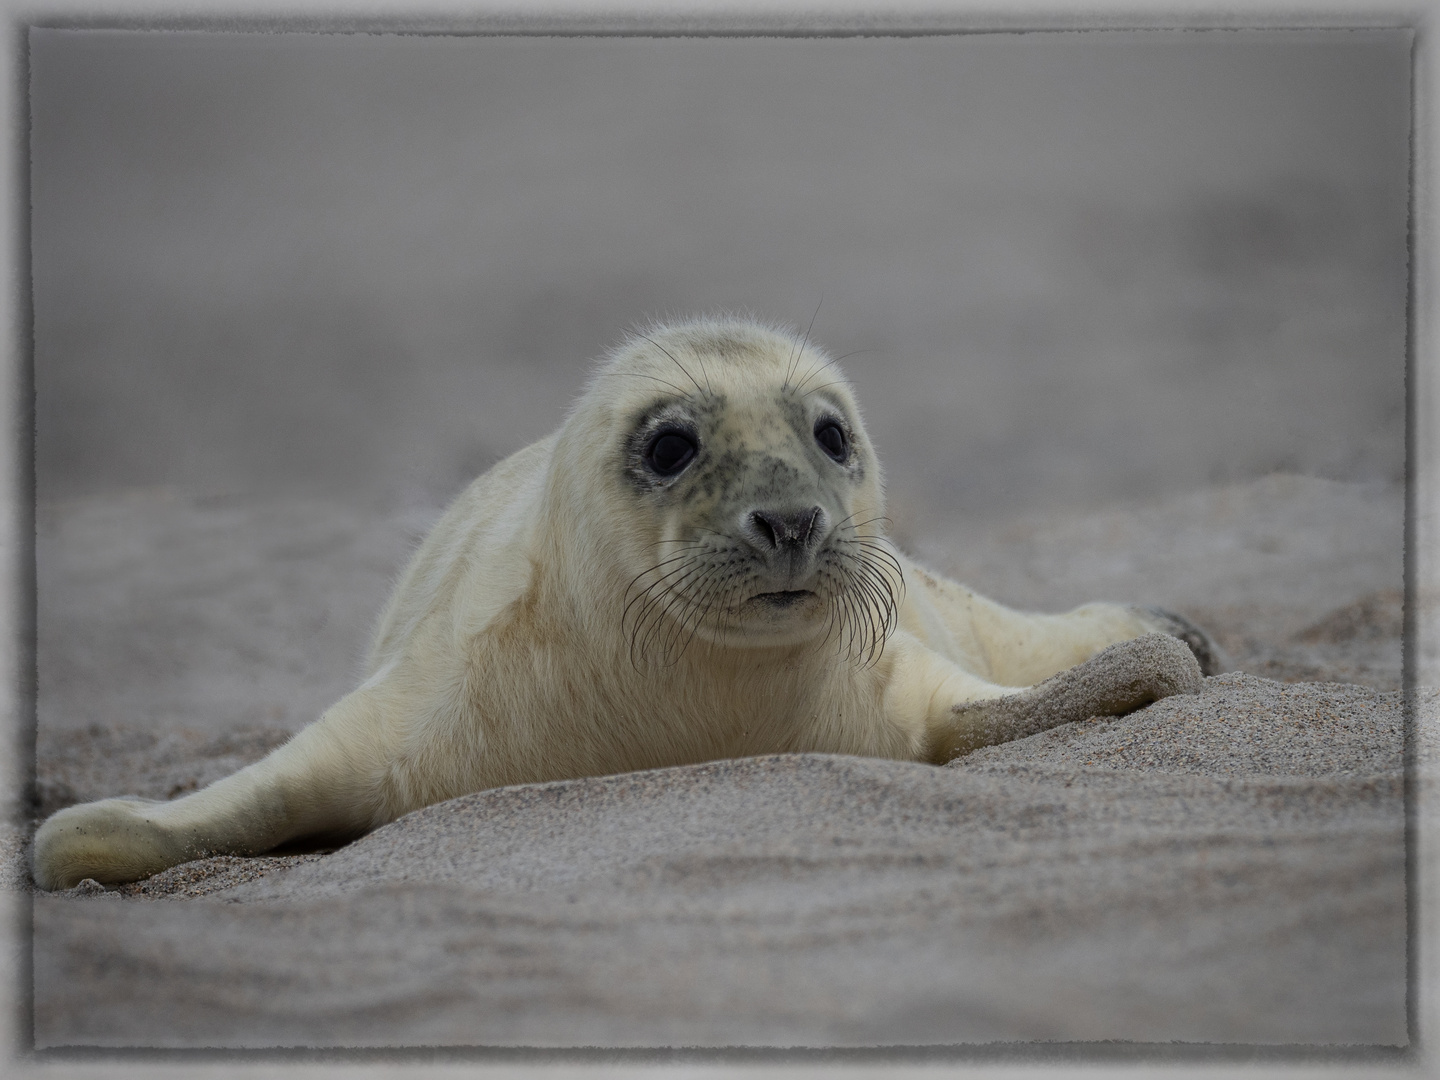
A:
[1113,304]
[1226,866]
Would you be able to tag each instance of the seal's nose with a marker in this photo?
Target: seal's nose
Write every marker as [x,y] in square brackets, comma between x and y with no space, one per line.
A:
[778,530]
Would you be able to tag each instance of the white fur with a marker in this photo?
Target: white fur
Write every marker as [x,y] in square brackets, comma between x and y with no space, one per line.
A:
[504,655]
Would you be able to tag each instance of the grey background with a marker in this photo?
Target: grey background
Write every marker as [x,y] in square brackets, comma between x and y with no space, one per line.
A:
[1083,268]
[1077,267]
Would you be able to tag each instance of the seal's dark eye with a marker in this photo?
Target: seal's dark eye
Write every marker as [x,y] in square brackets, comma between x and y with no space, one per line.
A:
[832,439]
[669,452]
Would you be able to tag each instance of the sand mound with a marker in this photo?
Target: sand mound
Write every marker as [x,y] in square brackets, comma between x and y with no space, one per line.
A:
[1227,865]
[1223,866]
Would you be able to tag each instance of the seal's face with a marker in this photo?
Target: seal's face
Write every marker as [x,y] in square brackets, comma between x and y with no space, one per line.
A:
[755,494]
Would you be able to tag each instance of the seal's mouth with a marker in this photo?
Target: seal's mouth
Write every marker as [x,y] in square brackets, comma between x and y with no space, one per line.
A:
[783,599]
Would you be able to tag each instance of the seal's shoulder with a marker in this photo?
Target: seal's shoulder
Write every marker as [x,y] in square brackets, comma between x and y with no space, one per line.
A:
[476,559]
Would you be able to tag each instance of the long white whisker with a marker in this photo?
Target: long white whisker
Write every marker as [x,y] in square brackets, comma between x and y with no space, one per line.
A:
[681,366]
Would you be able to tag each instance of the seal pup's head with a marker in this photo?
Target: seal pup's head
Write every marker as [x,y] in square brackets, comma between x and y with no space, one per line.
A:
[742,499]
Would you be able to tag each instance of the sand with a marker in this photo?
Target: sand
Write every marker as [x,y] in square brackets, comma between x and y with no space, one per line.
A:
[1226,865]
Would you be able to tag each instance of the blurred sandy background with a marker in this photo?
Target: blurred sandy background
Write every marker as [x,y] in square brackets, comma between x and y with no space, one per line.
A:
[293,291]
[1077,268]
[1128,321]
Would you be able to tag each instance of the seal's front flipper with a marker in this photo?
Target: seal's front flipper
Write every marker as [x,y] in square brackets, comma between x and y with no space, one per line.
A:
[1127,676]
[118,840]
[323,782]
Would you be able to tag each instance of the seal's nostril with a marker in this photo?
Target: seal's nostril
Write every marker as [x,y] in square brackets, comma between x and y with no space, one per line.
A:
[809,518]
[768,527]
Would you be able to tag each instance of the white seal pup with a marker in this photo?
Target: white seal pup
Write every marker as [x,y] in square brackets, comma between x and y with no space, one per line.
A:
[693,567]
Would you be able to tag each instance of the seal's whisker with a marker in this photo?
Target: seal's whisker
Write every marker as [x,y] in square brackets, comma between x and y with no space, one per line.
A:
[694,611]
[880,545]
[849,519]
[856,610]
[671,560]
[692,621]
[658,599]
[713,603]
[840,601]
[870,611]
[829,362]
[837,616]
[701,359]
[657,566]
[878,541]
[871,603]
[687,630]
[846,620]
[880,548]
[653,624]
[812,373]
[830,595]
[686,561]
[821,386]
[681,366]
[885,599]
[673,584]
[803,342]
[887,522]
[854,645]
[672,612]
[888,575]
[886,558]
[653,378]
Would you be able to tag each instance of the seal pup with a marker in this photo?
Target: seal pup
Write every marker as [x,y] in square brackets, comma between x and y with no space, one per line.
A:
[693,567]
